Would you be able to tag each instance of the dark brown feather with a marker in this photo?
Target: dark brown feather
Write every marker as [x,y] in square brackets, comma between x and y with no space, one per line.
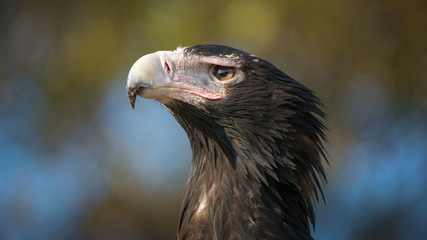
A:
[257,155]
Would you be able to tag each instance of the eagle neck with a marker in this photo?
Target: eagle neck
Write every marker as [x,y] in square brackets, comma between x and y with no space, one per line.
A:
[240,184]
[216,197]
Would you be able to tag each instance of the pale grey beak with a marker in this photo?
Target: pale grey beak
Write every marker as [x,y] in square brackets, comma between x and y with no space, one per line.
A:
[145,74]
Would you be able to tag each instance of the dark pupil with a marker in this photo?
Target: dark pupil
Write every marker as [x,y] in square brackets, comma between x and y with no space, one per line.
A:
[223,72]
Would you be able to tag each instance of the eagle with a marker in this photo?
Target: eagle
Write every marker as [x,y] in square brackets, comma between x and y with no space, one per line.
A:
[257,138]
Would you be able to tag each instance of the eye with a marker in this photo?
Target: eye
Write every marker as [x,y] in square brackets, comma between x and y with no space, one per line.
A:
[224,73]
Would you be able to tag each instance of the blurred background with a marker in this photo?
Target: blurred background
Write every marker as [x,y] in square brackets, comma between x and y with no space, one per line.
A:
[77,163]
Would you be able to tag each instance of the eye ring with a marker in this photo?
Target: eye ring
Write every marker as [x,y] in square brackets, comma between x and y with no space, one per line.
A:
[223,73]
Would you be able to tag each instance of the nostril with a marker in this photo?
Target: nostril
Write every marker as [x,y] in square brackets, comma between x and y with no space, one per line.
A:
[168,69]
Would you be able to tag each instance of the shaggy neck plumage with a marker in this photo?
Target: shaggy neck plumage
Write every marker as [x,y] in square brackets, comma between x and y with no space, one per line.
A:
[241,185]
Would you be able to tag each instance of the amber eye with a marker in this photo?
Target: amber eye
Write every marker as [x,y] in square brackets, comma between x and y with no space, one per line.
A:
[224,73]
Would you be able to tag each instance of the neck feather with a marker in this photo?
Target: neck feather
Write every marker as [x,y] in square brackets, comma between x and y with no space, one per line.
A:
[245,194]
[250,180]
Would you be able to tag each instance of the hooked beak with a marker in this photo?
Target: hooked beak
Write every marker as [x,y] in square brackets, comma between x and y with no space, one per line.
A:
[153,76]
[145,74]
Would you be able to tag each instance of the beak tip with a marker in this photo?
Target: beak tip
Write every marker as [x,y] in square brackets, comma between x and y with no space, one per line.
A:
[131,97]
